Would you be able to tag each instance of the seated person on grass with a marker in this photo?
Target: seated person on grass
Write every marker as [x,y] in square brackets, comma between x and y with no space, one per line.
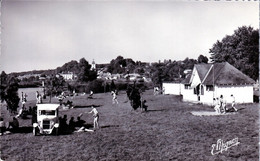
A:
[68,104]
[14,124]
[72,124]
[79,122]
[22,113]
[91,95]
[143,105]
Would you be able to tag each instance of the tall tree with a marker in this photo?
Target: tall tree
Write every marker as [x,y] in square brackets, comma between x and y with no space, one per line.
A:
[121,65]
[157,74]
[85,73]
[3,84]
[203,59]
[9,92]
[240,49]
[55,85]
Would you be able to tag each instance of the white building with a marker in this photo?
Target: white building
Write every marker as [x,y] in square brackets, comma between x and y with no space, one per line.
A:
[68,76]
[133,76]
[172,88]
[208,81]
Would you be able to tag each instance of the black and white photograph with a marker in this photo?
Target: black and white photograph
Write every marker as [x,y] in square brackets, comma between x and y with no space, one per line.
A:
[129,80]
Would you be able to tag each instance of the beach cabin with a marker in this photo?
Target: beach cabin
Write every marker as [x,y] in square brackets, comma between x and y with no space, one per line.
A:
[208,81]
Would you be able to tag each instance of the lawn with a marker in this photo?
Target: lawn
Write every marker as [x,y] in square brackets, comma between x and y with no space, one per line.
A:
[167,131]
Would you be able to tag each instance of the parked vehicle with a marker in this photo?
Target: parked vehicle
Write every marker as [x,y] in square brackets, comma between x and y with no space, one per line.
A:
[47,119]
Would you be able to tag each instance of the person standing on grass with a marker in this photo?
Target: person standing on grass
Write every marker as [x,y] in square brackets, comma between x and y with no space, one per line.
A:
[217,105]
[96,117]
[114,99]
[23,103]
[143,105]
[22,97]
[233,102]
[37,97]
[222,105]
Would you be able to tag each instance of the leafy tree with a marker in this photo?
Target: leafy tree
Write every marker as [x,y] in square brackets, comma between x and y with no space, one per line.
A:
[240,49]
[3,84]
[55,85]
[188,63]
[85,73]
[158,74]
[130,67]
[9,92]
[71,66]
[170,71]
[134,96]
[203,59]
[121,65]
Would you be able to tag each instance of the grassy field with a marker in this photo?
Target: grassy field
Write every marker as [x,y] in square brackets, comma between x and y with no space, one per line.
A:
[167,131]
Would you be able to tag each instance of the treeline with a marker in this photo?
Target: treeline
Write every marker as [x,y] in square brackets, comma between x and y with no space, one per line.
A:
[241,49]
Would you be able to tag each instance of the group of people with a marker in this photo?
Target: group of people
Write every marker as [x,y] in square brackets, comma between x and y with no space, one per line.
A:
[79,124]
[12,127]
[220,104]
[157,90]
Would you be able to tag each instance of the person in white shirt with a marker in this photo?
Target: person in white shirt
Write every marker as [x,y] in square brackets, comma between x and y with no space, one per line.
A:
[217,105]
[233,102]
[114,100]
[96,117]
[37,97]
[222,103]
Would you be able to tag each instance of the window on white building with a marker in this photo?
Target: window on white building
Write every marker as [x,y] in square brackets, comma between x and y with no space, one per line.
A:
[187,86]
[209,87]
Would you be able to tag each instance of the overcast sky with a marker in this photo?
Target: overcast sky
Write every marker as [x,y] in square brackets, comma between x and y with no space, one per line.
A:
[45,34]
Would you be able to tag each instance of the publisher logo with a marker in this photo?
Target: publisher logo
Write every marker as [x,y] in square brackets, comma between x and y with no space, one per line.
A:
[223,146]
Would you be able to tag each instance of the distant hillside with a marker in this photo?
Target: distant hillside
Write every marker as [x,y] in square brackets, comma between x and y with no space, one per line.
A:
[34,72]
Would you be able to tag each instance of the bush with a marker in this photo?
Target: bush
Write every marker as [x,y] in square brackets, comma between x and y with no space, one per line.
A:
[97,86]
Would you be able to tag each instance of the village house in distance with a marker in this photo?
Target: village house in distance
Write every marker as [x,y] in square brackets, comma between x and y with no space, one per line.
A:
[208,81]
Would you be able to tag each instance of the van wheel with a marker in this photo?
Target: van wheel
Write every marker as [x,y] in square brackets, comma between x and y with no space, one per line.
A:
[35,131]
[56,131]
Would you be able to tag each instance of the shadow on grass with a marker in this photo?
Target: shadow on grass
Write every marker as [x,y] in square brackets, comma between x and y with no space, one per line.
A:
[24,129]
[29,129]
[156,110]
[88,126]
[69,131]
[92,98]
[240,109]
[88,106]
[108,126]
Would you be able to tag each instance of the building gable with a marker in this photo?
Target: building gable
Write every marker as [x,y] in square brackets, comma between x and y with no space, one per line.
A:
[195,78]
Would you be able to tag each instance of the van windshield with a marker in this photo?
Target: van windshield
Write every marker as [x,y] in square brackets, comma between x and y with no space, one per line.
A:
[47,112]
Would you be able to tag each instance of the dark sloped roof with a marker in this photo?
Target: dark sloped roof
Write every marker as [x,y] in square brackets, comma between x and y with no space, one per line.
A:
[202,69]
[224,73]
